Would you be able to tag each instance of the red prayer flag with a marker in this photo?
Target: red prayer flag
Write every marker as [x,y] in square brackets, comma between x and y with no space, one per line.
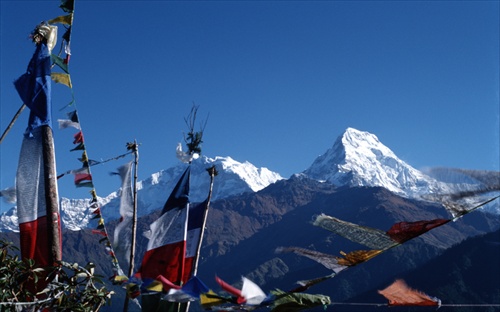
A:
[403,231]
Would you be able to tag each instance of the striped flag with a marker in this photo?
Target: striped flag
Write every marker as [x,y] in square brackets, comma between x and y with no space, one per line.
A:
[194,229]
[166,249]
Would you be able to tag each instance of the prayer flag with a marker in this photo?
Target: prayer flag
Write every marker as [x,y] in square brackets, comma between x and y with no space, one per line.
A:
[399,294]
[62,78]
[9,194]
[289,302]
[328,261]
[356,257]
[403,231]
[166,248]
[369,237]
[78,137]
[122,241]
[34,88]
[250,293]
[63,19]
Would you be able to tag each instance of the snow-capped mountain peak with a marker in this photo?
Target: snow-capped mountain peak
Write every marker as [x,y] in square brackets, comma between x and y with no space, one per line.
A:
[358,158]
[233,178]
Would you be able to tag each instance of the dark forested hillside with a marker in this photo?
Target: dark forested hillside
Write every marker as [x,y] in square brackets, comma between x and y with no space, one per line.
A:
[244,231]
[465,274]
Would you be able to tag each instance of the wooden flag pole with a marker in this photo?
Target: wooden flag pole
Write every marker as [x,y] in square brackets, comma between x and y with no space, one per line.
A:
[51,196]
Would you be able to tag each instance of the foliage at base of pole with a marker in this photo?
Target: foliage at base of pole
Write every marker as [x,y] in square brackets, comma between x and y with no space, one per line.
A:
[70,287]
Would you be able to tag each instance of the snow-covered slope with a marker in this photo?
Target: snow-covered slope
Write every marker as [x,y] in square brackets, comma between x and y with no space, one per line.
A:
[358,158]
[233,178]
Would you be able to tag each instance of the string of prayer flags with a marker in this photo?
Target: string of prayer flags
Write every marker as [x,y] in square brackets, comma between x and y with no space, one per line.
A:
[118,276]
[399,233]
[461,203]
[482,184]
[83,176]
[375,238]
[67,21]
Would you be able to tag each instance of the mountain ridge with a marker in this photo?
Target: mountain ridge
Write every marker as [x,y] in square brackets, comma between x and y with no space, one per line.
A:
[357,158]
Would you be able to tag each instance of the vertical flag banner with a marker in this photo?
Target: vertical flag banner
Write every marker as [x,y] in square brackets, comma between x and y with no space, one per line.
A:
[123,232]
[34,88]
[166,249]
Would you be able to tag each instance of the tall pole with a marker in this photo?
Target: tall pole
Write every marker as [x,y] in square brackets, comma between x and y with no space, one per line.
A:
[134,214]
[51,196]
[135,149]
[212,172]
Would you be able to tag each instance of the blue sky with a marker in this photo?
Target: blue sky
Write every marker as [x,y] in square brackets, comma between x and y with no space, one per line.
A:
[278,80]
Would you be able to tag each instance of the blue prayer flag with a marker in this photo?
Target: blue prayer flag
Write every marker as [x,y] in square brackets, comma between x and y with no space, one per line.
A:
[34,88]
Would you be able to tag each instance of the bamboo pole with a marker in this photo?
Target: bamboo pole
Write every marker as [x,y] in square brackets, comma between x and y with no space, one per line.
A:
[212,172]
[134,214]
[134,148]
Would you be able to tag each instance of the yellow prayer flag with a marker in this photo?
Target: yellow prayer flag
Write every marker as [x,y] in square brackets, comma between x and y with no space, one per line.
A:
[210,299]
[356,257]
[63,19]
[155,286]
[84,157]
[62,78]
[120,279]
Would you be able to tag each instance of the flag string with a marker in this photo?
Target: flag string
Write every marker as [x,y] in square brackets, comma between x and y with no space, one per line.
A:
[339,264]
[94,163]
[441,305]
[83,176]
